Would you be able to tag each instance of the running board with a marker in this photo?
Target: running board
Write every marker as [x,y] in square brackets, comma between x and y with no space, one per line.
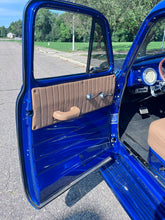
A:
[132,192]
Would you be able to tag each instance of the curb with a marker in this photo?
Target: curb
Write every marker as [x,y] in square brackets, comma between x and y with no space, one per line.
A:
[62,57]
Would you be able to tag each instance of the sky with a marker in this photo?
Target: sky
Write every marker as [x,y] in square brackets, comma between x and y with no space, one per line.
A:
[11,10]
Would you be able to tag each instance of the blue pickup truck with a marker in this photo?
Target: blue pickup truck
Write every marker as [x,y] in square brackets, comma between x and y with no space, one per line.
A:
[110,116]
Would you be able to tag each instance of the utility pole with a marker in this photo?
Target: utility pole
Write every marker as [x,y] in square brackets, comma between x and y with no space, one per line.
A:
[73,36]
[163,40]
[73,32]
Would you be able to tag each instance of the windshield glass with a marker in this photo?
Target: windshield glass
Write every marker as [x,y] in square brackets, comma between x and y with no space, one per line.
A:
[154,42]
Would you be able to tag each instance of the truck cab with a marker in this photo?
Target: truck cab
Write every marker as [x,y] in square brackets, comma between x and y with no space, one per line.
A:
[108,117]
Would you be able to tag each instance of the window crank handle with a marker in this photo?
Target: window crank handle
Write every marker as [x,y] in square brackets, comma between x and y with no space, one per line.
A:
[103,96]
[90,97]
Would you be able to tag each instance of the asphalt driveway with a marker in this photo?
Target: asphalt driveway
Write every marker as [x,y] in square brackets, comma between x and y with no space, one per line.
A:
[89,199]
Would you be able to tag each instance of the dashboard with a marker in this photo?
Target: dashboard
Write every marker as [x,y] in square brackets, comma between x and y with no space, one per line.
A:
[145,77]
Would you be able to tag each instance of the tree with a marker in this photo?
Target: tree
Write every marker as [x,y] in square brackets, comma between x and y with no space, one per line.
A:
[3,32]
[125,18]
[16,28]
[54,34]
[43,25]
[136,12]
[65,35]
[125,15]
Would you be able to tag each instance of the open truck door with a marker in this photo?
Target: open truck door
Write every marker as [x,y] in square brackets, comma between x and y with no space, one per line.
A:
[63,123]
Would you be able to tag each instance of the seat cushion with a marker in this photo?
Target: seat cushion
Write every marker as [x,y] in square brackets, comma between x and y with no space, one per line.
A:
[156,137]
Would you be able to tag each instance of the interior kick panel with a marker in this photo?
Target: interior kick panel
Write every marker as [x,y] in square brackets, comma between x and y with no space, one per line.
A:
[62,97]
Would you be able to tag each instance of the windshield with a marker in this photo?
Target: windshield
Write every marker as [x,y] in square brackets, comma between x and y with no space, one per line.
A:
[154,42]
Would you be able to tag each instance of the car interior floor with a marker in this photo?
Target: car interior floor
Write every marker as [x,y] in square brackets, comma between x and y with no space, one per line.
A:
[136,114]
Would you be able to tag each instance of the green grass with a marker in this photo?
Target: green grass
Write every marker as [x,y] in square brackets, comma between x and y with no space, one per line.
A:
[121,46]
[67,47]
[119,56]
[63,46]
[154,45]
[118,47]
[10,40]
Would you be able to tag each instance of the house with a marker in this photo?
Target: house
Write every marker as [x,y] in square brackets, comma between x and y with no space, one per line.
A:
[11,35]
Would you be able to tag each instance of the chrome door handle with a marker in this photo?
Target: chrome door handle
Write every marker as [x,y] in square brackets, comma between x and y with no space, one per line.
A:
[103,96]
[90,97]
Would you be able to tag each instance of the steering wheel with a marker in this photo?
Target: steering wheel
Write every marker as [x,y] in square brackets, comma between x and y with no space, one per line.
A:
[162,74]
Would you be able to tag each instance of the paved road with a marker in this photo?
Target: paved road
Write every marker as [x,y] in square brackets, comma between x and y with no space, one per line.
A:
[89,199]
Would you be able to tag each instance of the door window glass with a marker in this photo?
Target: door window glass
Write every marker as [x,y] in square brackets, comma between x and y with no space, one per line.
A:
[62,41]
[99,61]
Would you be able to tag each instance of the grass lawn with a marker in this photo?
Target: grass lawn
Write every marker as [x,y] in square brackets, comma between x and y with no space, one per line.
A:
[67,47]
[120,49]
[121,46]
[63,46]
[154,45]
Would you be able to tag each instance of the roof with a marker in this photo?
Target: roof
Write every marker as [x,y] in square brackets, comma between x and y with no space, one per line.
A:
[158,7]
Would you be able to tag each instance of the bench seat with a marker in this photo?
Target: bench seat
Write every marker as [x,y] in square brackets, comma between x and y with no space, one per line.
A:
[156,137]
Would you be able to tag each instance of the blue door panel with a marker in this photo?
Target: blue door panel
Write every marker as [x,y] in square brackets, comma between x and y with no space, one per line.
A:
[65,153]
[43,151]
[74,171]
[83,126]
[82,140]
[61,153]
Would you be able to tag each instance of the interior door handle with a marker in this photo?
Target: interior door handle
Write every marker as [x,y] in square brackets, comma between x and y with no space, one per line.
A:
[63,116]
